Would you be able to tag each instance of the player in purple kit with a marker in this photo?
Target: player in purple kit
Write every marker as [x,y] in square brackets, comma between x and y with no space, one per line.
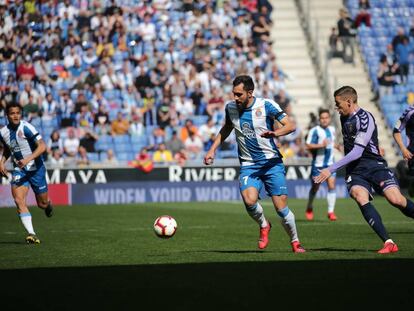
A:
[366,169]
[406,122]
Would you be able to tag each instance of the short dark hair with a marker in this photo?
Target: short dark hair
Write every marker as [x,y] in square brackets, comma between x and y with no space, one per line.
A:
[13,105]
[324,110]
[248,84]
[347,91]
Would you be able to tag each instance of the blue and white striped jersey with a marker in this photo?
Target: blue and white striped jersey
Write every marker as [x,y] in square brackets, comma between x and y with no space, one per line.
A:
[21,143]
[249,124]
[322,157]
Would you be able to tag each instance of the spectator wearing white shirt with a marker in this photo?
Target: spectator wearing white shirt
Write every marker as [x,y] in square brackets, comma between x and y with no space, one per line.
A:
[206,130]
[147,28]
[28,91]
[49,107]
[56,161]
[69,59]
[124,77]
[71,146]
[193,146]
[72,11]
[137,127]
[109,81]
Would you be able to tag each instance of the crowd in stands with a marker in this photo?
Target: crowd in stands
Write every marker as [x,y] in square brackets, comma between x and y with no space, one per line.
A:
[385,32]
[106,81]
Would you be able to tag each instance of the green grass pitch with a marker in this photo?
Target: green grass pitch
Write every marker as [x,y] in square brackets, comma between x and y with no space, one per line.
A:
[110,255]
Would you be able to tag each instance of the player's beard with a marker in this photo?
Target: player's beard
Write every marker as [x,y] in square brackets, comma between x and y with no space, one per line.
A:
[242,105]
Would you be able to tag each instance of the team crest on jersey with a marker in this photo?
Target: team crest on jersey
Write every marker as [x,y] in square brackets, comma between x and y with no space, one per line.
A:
[259,112]
[20,134]
[247,131]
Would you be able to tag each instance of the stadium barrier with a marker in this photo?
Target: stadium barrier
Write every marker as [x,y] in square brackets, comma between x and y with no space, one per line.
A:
[165,184]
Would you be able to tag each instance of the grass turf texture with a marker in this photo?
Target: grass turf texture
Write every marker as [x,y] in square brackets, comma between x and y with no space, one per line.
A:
[109,256]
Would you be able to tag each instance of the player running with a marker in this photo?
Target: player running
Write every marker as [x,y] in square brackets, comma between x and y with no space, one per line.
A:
[366,169]
[321,143]
[261,163]
[406,122]
[25,146]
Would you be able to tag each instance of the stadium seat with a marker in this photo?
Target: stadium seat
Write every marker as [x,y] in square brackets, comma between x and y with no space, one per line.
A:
[141,139]
[121,139]
[122,148]
[93,156]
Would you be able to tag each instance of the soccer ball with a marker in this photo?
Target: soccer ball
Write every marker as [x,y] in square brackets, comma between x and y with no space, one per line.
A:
[165,226]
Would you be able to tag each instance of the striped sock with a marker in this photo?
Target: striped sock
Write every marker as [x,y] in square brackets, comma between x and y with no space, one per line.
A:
[256,212]
[288,222]
[373,218]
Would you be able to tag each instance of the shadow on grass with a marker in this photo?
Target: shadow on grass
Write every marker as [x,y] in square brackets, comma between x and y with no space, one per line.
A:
[223,251]
[401,232]
[311,284]
[12,243]
[343,250]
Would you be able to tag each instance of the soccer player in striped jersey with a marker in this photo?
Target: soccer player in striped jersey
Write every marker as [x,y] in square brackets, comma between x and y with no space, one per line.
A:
[366,169]
[253,120]
[321,143]
[22,142]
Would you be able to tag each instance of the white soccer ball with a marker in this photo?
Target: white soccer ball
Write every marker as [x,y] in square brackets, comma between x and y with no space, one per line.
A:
[165,226]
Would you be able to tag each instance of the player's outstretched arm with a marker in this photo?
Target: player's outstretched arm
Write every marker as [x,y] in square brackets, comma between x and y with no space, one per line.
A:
[323,144]
[407,155]
[287,127]
[40,149]
[221,136]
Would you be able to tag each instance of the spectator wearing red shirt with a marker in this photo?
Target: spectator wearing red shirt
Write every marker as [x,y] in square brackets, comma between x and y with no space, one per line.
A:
[26,71]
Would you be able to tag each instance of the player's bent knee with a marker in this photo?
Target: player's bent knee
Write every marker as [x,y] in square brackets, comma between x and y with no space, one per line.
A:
[250,201]
[360,197]
[397,200]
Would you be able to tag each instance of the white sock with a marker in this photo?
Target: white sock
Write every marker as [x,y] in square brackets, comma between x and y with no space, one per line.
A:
[288,222]
[256,212]
[331,198]
[26,219]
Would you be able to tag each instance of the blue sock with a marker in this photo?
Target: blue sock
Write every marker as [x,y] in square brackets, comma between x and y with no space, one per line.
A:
[409,209]
[373,218]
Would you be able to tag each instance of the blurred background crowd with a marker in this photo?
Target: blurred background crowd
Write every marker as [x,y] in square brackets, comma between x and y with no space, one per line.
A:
[104,81]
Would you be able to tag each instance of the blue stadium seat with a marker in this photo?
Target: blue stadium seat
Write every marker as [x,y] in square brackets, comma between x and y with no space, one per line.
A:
[136,148]
[103,156]
[123,148]
[142,139]
[123,156]
[93,156]
[121,139]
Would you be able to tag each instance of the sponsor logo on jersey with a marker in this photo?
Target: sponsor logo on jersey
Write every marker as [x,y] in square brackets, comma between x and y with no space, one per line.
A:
[247,131]
[14,146]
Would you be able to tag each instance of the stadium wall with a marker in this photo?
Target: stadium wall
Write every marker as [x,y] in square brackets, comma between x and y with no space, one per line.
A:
[166,184]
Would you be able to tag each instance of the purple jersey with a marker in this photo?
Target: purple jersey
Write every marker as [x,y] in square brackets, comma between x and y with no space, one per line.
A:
[406,122]
[360,130]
